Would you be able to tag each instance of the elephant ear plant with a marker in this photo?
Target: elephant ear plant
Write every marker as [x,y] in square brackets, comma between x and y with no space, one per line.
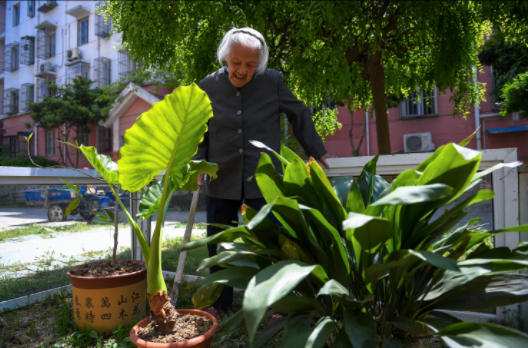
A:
[165,138]
[372,269]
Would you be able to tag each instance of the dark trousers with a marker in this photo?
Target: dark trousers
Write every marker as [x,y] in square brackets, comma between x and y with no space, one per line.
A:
[225,211]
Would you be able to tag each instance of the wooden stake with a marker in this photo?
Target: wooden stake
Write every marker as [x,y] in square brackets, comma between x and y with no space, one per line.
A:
[183,255]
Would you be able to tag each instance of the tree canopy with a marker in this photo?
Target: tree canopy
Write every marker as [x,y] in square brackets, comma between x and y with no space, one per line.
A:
[329,49]
[507,58]
[74,105]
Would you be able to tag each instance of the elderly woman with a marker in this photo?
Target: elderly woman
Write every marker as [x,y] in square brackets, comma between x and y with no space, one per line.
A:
[247,99]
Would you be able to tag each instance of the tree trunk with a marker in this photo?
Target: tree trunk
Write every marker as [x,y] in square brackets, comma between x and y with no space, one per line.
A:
[376,76]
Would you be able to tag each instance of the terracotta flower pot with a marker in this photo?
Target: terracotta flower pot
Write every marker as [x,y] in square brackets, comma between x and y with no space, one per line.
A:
[203,341]
[104,303]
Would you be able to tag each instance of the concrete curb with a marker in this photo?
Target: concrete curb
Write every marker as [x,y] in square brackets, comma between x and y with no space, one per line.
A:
[31,299]
[43,295]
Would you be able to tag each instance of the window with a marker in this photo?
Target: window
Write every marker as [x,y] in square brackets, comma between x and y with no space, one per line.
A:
[16,15]
[77,70]
[102,72]
[27,50]
[50,143]
[43,91]
[27,96]
[14,59]
[82,31]
[102,29]
[419,103]
[127,66]
[11,62]
[31,8]
[104,141]
[83,136]
[11,99]
[46,40]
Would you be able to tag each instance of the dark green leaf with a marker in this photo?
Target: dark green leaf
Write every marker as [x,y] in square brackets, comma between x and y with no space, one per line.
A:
[360,329]
[236,277]
[73,204]
[415,194]
[484,335]
[206,295]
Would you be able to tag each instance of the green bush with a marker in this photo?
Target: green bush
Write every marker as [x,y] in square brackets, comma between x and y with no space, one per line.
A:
[371,269]
[515,95]
[5,161]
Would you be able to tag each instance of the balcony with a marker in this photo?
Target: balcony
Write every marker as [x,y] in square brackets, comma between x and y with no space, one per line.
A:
[47,6]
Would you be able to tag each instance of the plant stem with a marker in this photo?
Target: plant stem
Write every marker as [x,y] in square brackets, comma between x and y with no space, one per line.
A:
[116,221]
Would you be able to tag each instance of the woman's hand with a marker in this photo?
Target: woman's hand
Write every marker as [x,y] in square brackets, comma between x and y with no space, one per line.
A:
[201,180]
[323,161]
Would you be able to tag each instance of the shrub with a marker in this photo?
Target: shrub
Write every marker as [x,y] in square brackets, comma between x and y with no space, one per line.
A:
[372,269]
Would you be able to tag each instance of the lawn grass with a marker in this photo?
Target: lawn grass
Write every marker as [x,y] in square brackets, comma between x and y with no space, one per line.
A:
[51,324]
[53,275]
[44,231]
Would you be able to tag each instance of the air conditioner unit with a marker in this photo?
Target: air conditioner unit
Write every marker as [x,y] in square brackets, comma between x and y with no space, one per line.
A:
[73,54]
[45,67]
[418,142]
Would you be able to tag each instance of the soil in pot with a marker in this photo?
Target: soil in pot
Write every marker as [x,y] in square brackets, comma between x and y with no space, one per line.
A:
[105,269]
[188,326]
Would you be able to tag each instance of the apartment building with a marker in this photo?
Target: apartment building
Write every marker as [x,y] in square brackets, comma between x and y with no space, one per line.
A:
[45,41]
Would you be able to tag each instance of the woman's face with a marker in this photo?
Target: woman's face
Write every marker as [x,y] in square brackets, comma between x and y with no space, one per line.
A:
[242,63]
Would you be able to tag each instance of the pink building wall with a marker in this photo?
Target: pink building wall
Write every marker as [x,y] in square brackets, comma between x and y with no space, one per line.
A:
[444,129]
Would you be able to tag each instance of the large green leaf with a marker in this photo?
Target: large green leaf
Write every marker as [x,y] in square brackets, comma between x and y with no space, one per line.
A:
[483,335]
[150,202]
[486,291]
[326,192]
[297,304]
[366,180]
[311,337]
[236,277]
[354,202]
[206,295]
[268,332]
[367,235]
[268,180]
[298,184]
[261,145]
[494,168]
[224,236]
[195,169]
[269,286]
[103,164]
[165,138]
[360,329]
[415,194]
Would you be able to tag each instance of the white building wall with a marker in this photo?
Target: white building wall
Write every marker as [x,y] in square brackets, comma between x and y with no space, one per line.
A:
[66,38]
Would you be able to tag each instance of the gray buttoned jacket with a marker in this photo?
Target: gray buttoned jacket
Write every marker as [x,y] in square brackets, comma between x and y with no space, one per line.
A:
[250,113]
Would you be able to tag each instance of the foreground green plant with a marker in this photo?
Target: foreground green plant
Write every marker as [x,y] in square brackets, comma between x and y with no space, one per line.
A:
[372,268]
[165,138]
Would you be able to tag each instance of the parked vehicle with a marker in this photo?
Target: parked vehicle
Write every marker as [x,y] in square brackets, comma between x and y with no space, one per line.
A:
[55,200]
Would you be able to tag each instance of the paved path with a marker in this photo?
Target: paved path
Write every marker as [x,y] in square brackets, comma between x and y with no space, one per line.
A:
[17,217]
[72,243]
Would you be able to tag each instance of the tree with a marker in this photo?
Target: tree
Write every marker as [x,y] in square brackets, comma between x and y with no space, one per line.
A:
[328,49]
[515,94]
[507,58]
[75,106]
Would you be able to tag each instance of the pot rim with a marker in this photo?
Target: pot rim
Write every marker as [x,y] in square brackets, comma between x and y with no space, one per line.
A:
[193,341]
[144,270]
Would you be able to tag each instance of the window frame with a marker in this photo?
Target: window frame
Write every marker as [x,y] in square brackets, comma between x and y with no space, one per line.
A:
[15,59]
[420,96]
[79,31]
[50,143]
[83,138]
[31,8]
[16,15]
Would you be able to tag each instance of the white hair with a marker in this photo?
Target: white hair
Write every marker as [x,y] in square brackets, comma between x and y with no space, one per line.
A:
[247,37]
